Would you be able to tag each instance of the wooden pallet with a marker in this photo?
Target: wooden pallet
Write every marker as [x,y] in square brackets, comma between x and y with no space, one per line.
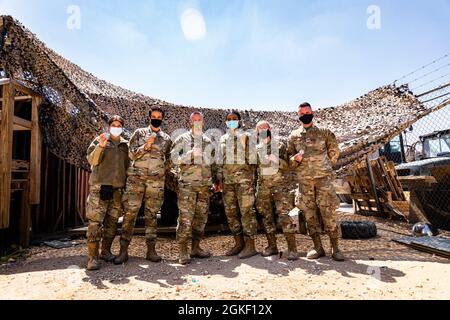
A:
[390,199]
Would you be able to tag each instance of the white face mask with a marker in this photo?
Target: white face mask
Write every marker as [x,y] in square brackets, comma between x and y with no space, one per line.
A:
[116,132]
[198,125]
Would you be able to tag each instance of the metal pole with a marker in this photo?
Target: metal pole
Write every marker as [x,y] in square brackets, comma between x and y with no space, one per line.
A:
[402,149]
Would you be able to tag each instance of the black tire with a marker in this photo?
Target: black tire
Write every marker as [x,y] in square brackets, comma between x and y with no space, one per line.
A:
[358,229]
[169,210]
[216,210]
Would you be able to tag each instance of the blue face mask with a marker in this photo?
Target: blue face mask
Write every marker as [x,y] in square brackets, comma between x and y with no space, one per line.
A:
[234,124]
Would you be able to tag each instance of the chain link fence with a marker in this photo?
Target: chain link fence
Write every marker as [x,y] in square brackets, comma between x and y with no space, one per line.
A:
[422,152]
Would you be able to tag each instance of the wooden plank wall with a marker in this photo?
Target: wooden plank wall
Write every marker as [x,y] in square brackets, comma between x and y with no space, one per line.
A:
[6,141]
[63,198]
[35,154]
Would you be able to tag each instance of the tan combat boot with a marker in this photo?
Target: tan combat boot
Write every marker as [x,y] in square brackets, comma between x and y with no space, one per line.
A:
[198,252]
[184,254]
[105,253]
[272,248]
[292,253]
[249,249]
[238,246]
[151,251]
[123,255]
[93,263]
[336,254]
[318,251]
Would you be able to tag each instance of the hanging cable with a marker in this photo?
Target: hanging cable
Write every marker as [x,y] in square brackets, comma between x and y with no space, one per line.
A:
[422,68]
[429,73]
[431,81]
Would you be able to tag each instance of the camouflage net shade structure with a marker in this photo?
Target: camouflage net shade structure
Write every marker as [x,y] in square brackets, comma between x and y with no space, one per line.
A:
[76,101]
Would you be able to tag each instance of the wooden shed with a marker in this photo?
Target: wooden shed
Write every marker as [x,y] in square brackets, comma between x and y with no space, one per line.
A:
[39,192]
[20,156]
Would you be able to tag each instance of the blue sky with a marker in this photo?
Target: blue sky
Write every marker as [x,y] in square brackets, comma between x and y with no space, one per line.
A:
[255,54]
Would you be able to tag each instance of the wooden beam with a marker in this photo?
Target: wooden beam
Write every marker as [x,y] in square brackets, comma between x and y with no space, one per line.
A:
[20,98]
[416,211]
[19,124]
[25,218]
[35,155]
[413,182]
[18,127]
[4,81]
[22,122]
[25,90]
[373,185]
[19,87]
[6,141]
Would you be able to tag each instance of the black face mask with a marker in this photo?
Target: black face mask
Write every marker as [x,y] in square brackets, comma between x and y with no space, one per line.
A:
[307,118]
[156,123]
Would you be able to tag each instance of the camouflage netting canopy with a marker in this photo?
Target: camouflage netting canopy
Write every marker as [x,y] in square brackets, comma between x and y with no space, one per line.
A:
[75,101]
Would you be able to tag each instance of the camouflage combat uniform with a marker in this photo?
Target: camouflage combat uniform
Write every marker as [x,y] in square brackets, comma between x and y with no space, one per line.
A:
[238,184]
[109,166]
[146,178]
[273,187]
[195,178]
[316,176]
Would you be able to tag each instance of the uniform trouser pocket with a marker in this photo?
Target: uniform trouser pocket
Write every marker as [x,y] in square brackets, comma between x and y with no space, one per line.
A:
[103,215]
[194,207]
[319,202]
[132,201]
[264,205]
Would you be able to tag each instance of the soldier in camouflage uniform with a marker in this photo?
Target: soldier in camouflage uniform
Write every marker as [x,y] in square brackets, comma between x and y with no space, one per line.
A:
[196,172]
[314,152]
[238,187]
[272,187]
[108,157]
[150,155]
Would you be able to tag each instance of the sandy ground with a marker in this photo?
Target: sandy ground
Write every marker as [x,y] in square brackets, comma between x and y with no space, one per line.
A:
[376,269]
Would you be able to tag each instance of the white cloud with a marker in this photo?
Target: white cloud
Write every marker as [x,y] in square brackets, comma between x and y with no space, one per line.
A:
[282,46]
[193,24]
[125,33]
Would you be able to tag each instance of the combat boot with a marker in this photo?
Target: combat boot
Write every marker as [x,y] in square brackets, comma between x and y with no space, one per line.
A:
[198,252]
[123,255]
[292,253]
[336,254]
[249,249]
[151,251]
[318,251]
[184,254]
[238,246]
[105,253]
[93,263]
[272,248]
